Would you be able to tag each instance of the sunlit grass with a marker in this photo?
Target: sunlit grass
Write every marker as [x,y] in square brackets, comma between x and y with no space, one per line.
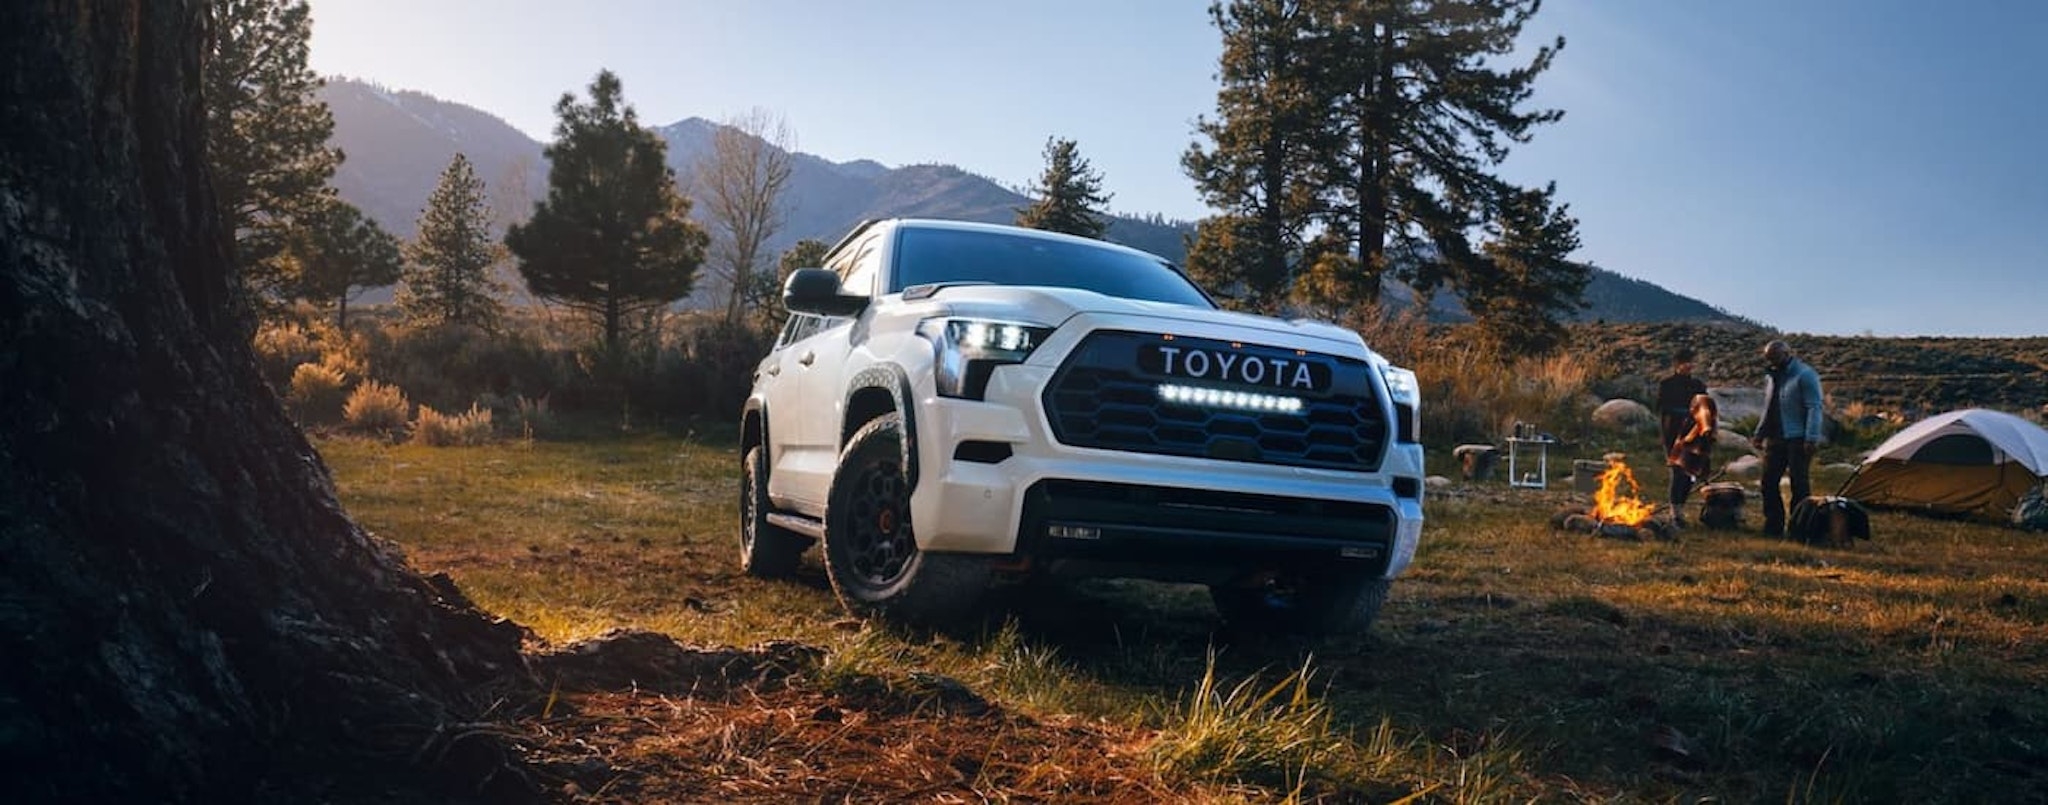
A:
[1513,663]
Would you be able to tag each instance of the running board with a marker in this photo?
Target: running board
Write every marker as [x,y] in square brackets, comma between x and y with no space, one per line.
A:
[815,529]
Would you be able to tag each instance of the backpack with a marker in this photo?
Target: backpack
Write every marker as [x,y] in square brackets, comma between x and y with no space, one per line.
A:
[1832,521]
[2031,513]
[1721,505]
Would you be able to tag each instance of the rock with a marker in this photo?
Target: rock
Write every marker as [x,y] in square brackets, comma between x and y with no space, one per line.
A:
[1744,466]
[1623,415]
[1738,403]
[1731,442]
[1436,482]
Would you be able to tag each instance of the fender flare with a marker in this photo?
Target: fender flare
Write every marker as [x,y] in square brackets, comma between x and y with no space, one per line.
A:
[893,379]
[755,407]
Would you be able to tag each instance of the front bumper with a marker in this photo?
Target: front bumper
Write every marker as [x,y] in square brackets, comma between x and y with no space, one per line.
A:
[1039,500]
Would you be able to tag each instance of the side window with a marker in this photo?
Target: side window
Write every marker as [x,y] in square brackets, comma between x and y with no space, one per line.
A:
[867,261]
[799,327]
[842,262]
[856,266]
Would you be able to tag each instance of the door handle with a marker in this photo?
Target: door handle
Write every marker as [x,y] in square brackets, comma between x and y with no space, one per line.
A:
[807,358]
[775,370]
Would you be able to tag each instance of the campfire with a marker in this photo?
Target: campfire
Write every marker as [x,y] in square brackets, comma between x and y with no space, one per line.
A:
[1618,510]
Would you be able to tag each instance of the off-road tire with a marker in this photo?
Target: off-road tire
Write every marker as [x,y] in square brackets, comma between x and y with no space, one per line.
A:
[871,553]
[767,551]
[1311,606]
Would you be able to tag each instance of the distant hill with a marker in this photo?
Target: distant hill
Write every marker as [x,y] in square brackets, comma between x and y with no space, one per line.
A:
[398,141]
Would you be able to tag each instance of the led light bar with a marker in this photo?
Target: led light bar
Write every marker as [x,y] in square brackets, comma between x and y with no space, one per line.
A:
[1237,400]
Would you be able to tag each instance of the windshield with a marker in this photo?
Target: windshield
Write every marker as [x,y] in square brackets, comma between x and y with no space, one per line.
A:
[929,255]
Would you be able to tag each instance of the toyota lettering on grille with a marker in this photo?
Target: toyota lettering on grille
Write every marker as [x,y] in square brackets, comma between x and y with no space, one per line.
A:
[1265,370]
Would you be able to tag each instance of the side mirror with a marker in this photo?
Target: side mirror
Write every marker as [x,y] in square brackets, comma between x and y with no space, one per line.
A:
[816,291]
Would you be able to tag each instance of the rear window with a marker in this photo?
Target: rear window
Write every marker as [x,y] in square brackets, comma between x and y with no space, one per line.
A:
[925,256]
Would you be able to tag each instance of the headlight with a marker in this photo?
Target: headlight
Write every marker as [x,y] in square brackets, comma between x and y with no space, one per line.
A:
[966,351]
[1406,395]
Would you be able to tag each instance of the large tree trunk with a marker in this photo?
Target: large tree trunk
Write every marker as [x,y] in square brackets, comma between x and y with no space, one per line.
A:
[185,611]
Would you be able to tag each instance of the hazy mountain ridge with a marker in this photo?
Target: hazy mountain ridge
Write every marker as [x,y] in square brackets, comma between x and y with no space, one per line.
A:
[397,143]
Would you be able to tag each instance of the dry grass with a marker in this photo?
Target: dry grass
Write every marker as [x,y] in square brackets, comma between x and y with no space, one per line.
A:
[376,408]
[1514,663]
[470,428]
[317,393]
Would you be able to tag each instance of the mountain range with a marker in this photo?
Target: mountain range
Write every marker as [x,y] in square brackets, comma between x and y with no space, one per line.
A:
[396,143]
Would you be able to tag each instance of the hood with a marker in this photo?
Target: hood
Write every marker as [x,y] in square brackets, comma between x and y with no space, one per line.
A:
[1054,306]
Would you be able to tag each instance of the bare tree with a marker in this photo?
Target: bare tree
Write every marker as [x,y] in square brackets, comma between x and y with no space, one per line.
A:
[742,180]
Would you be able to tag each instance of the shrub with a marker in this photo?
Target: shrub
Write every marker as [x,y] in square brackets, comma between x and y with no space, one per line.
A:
[717,369]
[468,429]
[449,366]
[1474,392]
[281,349]
[376,408]
[317,393]
[1471,395]
[347,354]
[533,416]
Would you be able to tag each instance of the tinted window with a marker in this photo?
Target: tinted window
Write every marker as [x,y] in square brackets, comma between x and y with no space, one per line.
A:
[926,256]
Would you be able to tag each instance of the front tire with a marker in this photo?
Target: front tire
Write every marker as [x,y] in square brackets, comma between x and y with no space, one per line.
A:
[767,551]
[1314,605]
[871,552]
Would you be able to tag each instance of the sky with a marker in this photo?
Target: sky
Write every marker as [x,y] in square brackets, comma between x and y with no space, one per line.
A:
[1842,167]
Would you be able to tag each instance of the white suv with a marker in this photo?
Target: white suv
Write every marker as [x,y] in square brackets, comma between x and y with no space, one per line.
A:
[952,404]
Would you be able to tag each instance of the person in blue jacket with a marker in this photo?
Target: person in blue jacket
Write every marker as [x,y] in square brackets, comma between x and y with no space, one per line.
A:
[1790,432]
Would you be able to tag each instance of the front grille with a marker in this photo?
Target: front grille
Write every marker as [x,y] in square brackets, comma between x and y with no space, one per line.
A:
[1103,398]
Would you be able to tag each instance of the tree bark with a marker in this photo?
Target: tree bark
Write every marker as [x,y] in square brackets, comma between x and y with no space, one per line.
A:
[186,613]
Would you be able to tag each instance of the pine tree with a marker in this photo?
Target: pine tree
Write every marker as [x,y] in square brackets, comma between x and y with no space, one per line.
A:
[1069,193]
[1356,140]
[766,299]
[339,253]
[1270,132]
[448,273]
[1426,116]
[613,239]
[266,135]
[1522,302]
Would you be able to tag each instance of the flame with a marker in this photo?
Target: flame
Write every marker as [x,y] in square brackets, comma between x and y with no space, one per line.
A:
[1612,505]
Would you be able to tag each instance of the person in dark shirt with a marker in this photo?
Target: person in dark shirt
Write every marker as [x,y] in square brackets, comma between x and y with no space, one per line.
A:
[1674,418]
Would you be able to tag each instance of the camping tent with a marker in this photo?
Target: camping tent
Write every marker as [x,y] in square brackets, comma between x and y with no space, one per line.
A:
[1973,462]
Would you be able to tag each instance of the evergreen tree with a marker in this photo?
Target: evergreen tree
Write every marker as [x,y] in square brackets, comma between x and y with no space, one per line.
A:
[766,300]
[337,254]
[613,238]
[1356,140]
[1069,193]
[1270,132]
[266,135]
[1426,115]
[1522,302]
[448,273]
[1226,255]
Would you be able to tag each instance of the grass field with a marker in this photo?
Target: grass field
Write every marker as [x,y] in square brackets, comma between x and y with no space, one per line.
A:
[1513,663]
